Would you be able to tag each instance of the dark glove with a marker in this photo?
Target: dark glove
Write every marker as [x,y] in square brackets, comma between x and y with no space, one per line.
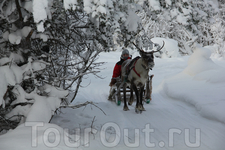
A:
[113,81]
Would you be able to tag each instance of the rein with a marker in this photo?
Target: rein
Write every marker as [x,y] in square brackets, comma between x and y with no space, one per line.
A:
[135,69]
[132,67]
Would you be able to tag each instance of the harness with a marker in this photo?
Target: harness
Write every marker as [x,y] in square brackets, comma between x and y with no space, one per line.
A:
[135,69]
[130,66]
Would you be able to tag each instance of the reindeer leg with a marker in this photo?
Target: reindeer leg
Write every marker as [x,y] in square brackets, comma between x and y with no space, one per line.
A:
[141,107]
[147,91]
[137,96]
[125,107]
[150,87]
[131,96]
[148,94]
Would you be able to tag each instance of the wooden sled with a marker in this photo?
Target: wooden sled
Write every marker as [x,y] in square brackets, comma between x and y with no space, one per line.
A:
[146,95]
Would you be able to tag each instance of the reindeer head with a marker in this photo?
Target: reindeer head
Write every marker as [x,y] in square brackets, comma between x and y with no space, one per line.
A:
[148,57]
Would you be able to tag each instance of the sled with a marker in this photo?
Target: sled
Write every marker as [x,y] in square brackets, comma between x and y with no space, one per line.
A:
[146,94]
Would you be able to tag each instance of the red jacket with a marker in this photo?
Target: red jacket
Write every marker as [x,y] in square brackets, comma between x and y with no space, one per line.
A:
[117,68]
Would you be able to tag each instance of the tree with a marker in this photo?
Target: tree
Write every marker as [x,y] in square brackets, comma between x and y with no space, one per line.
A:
[53,49]
[218,30]
[185,21]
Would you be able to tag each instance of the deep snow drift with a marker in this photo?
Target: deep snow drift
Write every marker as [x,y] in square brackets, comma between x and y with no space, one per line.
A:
[201,84]
[186,112]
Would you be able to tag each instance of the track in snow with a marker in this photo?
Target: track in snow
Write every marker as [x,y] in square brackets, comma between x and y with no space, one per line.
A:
[177,125]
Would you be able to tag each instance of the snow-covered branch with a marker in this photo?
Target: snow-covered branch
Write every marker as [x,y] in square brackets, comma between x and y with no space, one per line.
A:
[82,105]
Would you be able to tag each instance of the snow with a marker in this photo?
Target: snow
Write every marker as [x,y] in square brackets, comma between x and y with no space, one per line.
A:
[103,2]
[42,36]
[203,76]
[173,13]
[43,137]
[132,21]
[14,75]
[4,60]
[25,31]
[87,6]
[10,8]
[168,2]
[39,65]
[154,4]
[186,11]
[16,58]
[70,4]
[15,37]
[28,5]
[182,19]
[186,111]
[5,35]
[8,76]
[101,9]
[54,92]
[40,13]
[47,104]
[200,61]
[170,48]
[96,8]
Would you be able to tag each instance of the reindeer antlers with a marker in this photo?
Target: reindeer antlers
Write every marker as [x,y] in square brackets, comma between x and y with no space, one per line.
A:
[137,47]
[158,49]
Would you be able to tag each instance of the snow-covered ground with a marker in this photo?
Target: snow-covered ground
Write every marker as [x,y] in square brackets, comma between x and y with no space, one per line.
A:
[186,111]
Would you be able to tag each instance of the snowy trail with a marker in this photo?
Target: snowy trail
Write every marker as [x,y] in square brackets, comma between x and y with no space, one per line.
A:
[162,115]
[176,124]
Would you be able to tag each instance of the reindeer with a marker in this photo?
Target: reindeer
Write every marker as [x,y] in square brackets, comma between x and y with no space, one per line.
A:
[135,73]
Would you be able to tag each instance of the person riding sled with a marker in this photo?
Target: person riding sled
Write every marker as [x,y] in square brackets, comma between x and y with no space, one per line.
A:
[117,71]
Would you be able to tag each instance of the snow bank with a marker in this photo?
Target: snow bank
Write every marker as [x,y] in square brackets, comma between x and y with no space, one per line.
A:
[39,136]
[48,106]
[201,83]
[43,107]
[201,67]
[48,99]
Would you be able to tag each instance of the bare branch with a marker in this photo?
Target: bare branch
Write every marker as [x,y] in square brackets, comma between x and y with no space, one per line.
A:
[19,10]
[82,105]
[92,124]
